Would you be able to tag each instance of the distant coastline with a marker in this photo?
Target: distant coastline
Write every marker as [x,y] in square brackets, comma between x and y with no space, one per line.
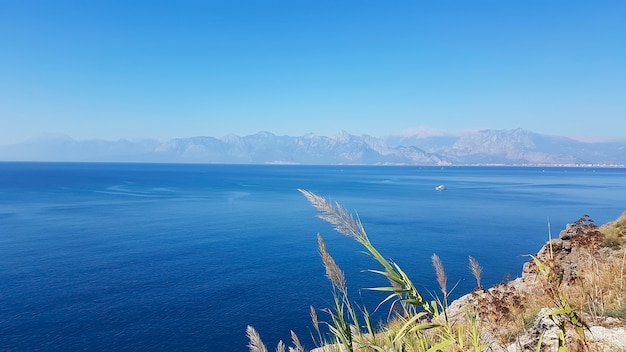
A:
[279,164]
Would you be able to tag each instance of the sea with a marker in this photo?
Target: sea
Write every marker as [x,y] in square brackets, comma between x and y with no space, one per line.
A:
[183,257]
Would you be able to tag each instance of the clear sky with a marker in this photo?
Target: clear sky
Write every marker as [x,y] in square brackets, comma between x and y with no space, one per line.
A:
[133,69]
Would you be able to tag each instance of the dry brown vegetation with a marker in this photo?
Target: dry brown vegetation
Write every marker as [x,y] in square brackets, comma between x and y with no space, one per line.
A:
[580,277]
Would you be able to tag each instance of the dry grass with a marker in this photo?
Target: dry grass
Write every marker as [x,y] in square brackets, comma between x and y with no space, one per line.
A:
[583,278]
[501,309]
[600,285]
[614,232]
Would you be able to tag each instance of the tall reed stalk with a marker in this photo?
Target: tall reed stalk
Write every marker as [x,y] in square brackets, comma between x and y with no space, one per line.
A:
[418,317]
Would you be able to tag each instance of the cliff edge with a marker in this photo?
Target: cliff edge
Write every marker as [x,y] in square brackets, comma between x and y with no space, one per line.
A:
[572,292]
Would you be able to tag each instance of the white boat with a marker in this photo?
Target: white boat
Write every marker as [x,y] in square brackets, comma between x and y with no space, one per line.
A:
[440,188]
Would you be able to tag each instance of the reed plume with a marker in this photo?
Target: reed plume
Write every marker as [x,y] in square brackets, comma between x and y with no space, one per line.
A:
[255,344]
[345,223]
[296,343]
[280,347]
[333,272]
[476,270]
[442,278]
[315,321]
[342,220]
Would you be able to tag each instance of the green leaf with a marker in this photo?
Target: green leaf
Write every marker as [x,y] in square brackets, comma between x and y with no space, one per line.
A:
[561,311]
[406,327]
[539,343]
[440,346]
[424,327]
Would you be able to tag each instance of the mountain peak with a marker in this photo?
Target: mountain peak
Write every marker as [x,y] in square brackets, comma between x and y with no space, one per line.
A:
[342,136]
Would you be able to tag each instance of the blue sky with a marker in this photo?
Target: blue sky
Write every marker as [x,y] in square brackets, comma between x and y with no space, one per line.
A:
[135,69]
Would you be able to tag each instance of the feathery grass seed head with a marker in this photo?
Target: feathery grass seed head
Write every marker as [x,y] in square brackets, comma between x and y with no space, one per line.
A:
[297,346]
[442,278]
[342,220]
[280,347]
[255,344]
[333,272]
[476,270]
[316,323]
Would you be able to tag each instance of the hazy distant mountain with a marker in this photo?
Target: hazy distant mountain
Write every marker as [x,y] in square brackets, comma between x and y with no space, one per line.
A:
[506,147]
[515,147]
[62,148]
[265,147]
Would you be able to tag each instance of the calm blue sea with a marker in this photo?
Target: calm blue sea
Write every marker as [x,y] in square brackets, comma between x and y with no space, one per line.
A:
[154,257]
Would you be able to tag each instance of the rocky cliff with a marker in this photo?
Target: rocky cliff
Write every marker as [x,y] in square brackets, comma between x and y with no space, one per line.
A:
[575,284]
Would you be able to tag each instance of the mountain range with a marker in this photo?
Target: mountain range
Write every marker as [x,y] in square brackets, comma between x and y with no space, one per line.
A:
[483,147]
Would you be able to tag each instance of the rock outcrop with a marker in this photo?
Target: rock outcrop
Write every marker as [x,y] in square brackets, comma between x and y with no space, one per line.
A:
[576,266]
